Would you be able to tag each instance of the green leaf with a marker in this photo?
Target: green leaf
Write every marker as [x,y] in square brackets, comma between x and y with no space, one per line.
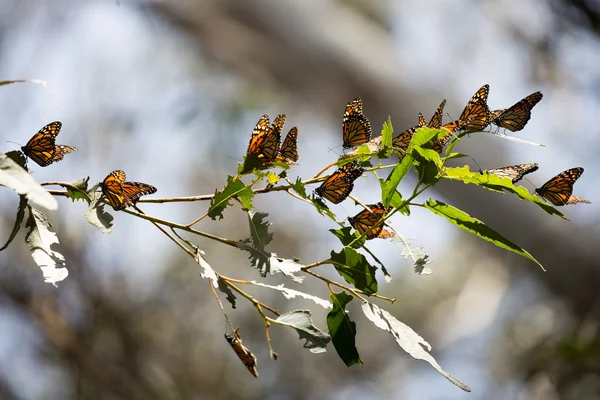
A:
[422,136]
[39,239]
[81,194]
[465,222]
[396,200]
[251,162]
[301,321]
[386,133]
[13,176]
[18,221]
[456,155]
[299,188]
[322,207]
[291,294]
[222,199]
[342,329]
[346,237]
[407,338]
[355,269]
[272,178]
[96,215]
[497,184]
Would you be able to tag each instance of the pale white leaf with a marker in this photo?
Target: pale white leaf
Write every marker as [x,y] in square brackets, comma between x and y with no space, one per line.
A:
[291,293]
[301,321]
[416,253]
[15,177]
[514,139]
[39,239]
[408,339]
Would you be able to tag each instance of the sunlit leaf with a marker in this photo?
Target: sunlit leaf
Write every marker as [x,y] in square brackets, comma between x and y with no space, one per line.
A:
[207,272]
[346,236]
[299,188]
[496,184]
[416,253]
[408,339]
[467,223]
[96,215]
[81,194]
[291,293]
[13,176]
[39,239]
[301,321]
[342,329]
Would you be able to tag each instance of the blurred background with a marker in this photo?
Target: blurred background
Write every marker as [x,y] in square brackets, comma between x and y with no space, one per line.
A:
[170,90]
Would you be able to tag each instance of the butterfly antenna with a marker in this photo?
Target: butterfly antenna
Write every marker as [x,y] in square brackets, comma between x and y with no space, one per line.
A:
[478,166]
[18,144]
[530,182]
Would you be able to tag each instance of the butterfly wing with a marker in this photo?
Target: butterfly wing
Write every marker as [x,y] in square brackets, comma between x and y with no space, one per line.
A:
[575,200]
[476,114]
[438,145]
[364,221]
[132,191]
[289,148]
[269,148]
[401,142]
[61,150]
[41,147]
[337,187]
[516,117]
[422,121]
[356,128]
[559,189]
[112,188]
[514,172]
[436,120]
[258,135]
[246,357]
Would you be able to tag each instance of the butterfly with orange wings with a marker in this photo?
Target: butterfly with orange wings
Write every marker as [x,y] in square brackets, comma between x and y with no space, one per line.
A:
[42,147]
[476,114]
[265,140]
[364,221]
[513,172]
[121,194]
[559,189]
[337,187]
[516,117]
[356,128]
[289,148]
[246,357]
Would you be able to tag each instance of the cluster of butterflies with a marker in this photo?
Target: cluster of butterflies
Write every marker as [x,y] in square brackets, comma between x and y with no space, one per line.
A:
[475,117]
[43,150]
[266,141]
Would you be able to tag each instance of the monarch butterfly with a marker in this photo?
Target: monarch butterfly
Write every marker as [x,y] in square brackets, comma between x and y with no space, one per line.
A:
[401,142]
[559,189]
[516,117]
[121,194]
[258,135]
[514,172]
[338,185]
[356,128]
[245,355]
[436,120]
[438,145]
[42,149]
[270,146]
[364,221]
[289,148]
[476,114]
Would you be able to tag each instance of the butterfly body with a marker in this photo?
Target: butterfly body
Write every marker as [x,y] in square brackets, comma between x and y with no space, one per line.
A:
[356,128]
[42,147]
[121,194]
[559,190]
[337,187]
[513,172]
